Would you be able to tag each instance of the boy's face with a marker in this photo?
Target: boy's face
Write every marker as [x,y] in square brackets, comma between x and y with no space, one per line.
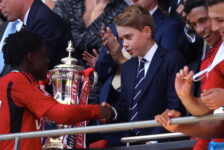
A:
[216,13]
[135,42]
[198,18]
[11,9]
[39,63]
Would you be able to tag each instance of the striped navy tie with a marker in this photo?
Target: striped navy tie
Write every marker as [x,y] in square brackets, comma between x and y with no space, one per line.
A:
[137,90]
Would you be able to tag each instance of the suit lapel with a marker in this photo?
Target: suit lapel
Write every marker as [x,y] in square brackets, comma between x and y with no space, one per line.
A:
[154,66]
[2,29]
[32,14]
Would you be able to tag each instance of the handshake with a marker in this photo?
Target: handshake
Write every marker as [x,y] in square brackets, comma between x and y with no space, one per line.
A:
[107,114]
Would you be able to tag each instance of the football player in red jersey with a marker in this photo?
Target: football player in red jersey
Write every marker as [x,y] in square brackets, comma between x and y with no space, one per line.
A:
[22,102]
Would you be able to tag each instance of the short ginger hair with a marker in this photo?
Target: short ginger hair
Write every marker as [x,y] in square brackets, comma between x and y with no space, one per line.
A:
[135,16]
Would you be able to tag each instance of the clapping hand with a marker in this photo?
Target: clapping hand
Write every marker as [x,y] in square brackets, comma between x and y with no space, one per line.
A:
[91,59]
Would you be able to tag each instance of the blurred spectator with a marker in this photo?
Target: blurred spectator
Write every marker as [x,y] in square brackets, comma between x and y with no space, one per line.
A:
[85,19]
[38,18]
[164,5]
[177,9]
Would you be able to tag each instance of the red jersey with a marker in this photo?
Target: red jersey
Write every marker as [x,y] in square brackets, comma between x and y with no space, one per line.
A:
[214,78]
[22,103]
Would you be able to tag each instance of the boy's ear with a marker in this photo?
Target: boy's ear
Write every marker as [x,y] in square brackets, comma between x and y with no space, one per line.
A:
[147,31]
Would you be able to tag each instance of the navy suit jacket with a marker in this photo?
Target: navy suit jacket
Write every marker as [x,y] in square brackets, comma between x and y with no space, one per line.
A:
[167,30]
[2,30]
[158,93]
[55,32]
[52,28]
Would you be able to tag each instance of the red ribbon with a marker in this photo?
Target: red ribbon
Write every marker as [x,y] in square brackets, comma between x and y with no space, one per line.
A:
[80,140]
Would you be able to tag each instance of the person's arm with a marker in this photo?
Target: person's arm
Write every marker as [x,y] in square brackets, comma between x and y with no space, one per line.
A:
[41,104]
[70,114]
[183,85]
[202,129]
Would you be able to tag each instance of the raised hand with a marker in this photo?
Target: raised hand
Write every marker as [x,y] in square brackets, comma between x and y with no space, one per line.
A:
[112,44]
[107,113]
[165,119]
[213,98]
[183,83]
[89,58]
[109,40]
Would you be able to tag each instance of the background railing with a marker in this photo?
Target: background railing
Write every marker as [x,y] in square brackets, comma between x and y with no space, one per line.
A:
[133,139]
[106,128]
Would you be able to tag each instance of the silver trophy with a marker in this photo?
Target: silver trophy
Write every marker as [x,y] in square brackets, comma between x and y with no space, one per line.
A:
[67,81]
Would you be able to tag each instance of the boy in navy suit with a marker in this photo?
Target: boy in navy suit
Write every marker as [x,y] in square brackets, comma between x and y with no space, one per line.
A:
[147,79]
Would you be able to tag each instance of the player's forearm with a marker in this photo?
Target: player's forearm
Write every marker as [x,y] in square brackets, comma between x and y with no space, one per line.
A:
[194,106]
[202,129]
[71,114]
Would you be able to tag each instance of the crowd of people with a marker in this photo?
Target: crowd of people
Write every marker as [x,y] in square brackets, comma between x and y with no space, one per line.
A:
[155,59]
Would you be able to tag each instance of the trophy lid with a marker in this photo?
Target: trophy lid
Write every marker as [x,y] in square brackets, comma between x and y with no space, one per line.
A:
[69,63]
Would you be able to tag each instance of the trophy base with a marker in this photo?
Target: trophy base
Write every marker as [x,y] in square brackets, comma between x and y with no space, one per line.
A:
[54,144]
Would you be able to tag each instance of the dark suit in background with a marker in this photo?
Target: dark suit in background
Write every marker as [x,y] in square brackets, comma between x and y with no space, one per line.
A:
[56,34]
[2,30]
[52,28]
[167,30]
[191,51]
[173,10]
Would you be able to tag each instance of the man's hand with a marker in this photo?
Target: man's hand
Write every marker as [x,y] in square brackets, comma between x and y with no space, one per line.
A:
[165,119]
[183,83]
[107,113]
[213,98]
[91,59]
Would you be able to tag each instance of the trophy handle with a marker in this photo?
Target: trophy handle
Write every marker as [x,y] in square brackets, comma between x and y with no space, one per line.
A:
[95,79]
